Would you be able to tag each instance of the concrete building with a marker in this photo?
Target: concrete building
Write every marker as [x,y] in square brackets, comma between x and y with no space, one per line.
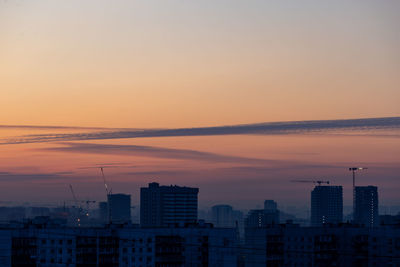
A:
[47,245]
[166,205]
[326,205]
[366,206]
[260,218]
[119,207]
[263,217]
[342,245]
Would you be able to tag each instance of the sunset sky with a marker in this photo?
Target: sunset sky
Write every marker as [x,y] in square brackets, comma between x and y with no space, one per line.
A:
[102,66]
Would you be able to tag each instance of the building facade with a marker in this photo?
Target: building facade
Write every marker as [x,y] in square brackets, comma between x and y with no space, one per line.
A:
[119,207]
[167,205]
[326,205]
[366,206]
[46,245]
[342,245]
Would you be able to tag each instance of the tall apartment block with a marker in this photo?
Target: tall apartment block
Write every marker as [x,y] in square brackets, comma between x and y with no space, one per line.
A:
[119,208]
[326,205]
[366,206]
[161,206]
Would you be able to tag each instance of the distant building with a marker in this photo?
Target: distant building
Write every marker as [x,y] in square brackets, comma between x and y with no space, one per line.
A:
[103,211]
[270,205]
[326,205]
[119,205]
[260,218]
[263,217]
[366,206]
[165,205]
[222,216]
[272,212]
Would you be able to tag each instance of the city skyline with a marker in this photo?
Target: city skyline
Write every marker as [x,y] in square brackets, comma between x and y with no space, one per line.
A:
[234,98]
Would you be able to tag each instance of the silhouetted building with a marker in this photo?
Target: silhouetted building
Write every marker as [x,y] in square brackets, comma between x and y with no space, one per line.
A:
[48,245]
[270,205]
[119,207]
[343,245]
[222,216]
[366,206]
[389,219]
[272,212]
[166,205]
[103,211]
[260,218]
[326,205]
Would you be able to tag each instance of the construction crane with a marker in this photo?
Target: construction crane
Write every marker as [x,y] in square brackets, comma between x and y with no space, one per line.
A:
[310,181]
[354,170]
[74,197]
[108,194]
[77,205]
[108,191]
[88,206]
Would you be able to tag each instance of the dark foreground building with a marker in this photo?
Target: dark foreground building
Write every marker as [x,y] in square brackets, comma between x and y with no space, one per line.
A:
[343,245]
[43,243]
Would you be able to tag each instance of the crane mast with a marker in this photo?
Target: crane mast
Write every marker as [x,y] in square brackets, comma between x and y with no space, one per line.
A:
[354,170]
[108,194]
[319,182]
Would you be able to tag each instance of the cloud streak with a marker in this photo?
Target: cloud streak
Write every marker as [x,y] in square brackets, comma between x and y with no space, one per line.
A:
[150,151]
[271,128]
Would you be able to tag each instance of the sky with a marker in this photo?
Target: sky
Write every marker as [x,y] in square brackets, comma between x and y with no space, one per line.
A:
[104,68]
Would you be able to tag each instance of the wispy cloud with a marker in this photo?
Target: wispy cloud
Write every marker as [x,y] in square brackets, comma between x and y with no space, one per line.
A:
[16,177]
[273,128]
[150,151]
[50,127]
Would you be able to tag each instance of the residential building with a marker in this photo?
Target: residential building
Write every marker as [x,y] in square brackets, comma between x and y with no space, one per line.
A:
[119,208]
[344,245]
[366,206]
[326,205]
[165,205]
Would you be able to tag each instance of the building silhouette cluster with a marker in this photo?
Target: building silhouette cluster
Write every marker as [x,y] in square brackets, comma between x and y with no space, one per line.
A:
[170,233]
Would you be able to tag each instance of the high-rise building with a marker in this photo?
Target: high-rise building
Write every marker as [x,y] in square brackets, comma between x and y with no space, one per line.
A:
[366,206]
[119,208]
[326,205]
[165,205]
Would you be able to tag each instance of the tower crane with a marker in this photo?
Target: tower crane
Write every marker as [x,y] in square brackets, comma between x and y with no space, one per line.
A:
[354,170]
[88,205]
[108,194]
[319,182]
[76,204]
